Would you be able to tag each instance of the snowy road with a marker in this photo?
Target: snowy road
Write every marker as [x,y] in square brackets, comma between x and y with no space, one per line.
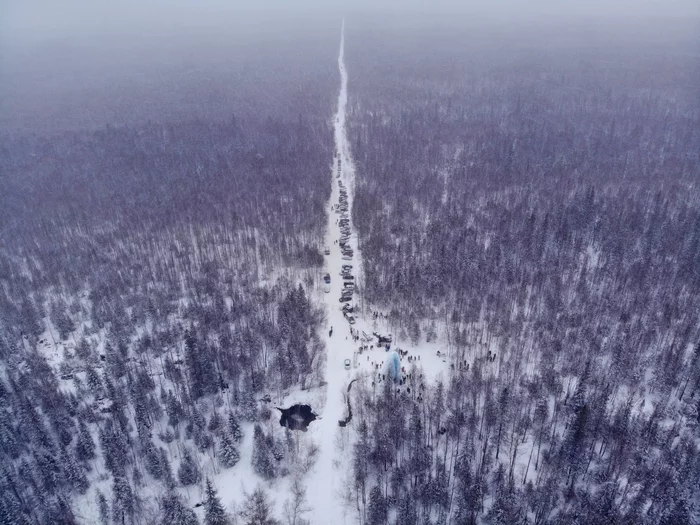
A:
[326,483]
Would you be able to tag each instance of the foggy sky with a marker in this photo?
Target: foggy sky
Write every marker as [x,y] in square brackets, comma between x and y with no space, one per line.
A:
[58,55]
[41,20]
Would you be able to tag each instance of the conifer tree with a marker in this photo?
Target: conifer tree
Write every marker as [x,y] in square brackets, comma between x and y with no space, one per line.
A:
[229,453]
[85,447]
[214,513]
[174,512]
[377,514]
[262,455]
[234,428]
[188,473]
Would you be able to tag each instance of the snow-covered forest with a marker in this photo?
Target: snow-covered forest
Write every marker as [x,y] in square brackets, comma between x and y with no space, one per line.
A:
[157,282]
[536,209]
[471,296]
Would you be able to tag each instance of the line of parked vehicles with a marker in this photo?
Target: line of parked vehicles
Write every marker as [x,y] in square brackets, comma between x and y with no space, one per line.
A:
[348,278]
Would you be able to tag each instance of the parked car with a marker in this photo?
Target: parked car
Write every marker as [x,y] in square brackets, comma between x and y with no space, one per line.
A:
[327,278]
[327,251]
[346,364]
[382,339]
[327,288]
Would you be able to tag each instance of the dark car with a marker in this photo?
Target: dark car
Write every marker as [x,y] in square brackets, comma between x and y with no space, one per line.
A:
[327,278]
[382,339]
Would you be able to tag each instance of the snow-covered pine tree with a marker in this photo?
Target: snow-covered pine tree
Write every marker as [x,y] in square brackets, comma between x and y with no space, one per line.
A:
[188,473]
[85,447]
[249,407]
[228,453]
[153,464]
[214,423]
[124,503]
[168,478]
[262,455]
[214,513]
[94,381]
[75,473]
[174,512]
[234,428]
[377,507]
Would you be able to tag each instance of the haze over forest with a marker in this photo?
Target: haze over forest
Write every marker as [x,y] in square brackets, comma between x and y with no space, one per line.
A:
[350,262]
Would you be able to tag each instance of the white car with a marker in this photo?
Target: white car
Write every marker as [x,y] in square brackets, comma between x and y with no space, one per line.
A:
[346,364]
[327,288]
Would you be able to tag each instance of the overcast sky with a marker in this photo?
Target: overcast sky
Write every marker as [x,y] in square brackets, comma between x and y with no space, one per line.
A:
[42,20]
[59,55]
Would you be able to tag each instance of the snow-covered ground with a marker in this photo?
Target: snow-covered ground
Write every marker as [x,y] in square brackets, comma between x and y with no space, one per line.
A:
[325,481]
[327,485]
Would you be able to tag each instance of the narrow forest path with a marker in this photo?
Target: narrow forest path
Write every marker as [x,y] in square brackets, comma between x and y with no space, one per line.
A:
[325,484]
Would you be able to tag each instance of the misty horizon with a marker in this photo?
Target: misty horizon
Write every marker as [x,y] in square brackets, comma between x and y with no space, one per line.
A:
[268,263]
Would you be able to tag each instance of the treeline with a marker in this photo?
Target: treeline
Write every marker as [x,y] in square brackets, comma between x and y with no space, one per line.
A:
[537,211]
[131,210]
